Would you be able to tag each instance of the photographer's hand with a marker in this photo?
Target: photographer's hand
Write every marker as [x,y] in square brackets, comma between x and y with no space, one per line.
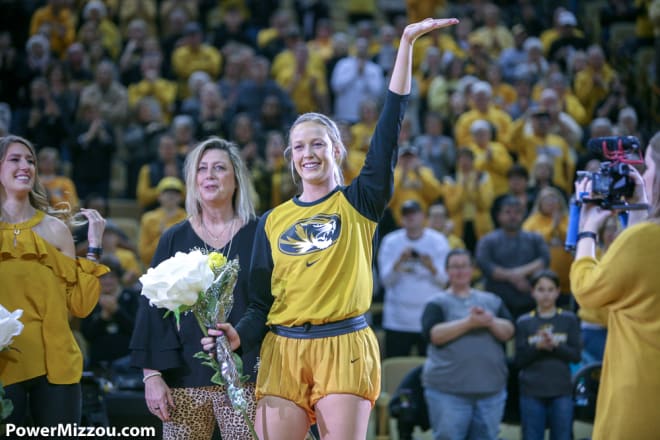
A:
[592,217]
[638,197]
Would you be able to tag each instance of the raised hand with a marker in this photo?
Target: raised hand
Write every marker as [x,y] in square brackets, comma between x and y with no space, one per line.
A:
[416,30]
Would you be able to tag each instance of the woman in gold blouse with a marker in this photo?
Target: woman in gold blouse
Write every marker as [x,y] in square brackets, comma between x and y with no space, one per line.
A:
[40,275]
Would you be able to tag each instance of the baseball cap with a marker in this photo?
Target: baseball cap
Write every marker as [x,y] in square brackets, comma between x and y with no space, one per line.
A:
[566,18]
[170,184]
[410,206]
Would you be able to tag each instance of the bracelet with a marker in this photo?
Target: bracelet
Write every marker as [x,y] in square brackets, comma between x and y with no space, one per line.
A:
[92,257]
[150,375]
[587,234]
[98,251]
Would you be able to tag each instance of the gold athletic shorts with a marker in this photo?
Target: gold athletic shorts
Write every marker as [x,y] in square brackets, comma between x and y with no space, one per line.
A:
[305,370]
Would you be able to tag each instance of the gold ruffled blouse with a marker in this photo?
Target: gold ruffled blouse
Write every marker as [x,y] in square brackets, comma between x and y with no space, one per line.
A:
[47,285]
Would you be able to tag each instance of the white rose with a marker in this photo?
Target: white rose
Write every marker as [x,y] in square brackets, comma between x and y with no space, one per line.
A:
[10,326]
[178,280]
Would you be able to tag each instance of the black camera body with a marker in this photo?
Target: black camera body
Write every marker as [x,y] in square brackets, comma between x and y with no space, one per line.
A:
[613,181]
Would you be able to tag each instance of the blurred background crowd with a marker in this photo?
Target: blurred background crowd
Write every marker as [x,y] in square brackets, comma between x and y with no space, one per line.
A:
[114,93]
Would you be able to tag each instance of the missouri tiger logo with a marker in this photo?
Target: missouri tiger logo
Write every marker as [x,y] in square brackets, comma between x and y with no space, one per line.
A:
[311,235]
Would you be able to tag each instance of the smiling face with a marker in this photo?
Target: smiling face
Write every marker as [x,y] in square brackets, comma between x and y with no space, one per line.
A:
[313,154]
[216,180]
[17,169]
[459,270]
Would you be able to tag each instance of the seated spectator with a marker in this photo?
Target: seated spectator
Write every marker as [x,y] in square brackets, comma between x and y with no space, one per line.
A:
[530,138]
[469,196]
[549,218]
[465,373]
[152,84]
[272,179]
[44,122]
[168,213]
[128,260]
[363,129]
[194,55]
[518,180]
[60,188]
[108,329]
[593,83]
[214,117]
[435,149]
[107,95]
[252,92]
[57,21]
[134,48]
[167,164]
[93,143]
[490,156]
[413,181]
[440,221]
[483,107]
[96,12]
[569,40]
[183,130]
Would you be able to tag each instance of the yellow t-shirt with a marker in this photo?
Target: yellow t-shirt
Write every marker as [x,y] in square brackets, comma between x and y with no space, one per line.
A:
[625,281]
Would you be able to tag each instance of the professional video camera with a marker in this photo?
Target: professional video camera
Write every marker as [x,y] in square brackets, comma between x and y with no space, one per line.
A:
[611,184]
[613,181]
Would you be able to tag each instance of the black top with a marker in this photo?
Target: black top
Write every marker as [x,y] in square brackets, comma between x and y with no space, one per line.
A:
[157,344]
[547,373]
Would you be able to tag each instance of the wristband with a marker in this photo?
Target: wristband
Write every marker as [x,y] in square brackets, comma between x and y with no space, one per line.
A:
[150,375]
[98,251]
[587,234]
[92,257]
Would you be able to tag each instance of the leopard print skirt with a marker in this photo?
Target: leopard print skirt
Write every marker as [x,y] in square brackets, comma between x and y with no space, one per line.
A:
[198,409]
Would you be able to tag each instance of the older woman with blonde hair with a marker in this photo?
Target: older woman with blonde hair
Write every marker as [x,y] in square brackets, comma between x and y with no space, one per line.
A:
[221,218]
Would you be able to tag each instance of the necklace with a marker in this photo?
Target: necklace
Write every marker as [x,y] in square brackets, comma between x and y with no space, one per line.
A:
[218,240]
[18,226]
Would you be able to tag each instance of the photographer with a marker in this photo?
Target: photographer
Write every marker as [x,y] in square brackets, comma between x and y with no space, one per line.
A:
[625,282]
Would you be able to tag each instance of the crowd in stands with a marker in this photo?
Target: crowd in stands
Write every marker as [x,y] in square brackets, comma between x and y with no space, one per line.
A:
[114,93]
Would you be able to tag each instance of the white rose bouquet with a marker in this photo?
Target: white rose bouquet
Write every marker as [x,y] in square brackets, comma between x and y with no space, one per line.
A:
[202,283]
[10,327]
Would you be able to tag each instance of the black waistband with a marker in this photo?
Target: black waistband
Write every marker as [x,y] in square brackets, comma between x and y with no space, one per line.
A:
[309,331]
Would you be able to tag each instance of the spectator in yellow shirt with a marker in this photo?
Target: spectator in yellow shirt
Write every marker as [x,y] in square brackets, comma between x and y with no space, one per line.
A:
[194,55]
[154,85]
[469,196]
[490,156]
[57,22]
[60,188]
[169,212]
[482,108]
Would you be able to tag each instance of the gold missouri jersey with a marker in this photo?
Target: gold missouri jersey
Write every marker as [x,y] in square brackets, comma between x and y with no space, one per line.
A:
[312,262]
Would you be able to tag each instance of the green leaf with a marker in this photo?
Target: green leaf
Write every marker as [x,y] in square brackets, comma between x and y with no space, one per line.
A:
[217,379]
[201,355]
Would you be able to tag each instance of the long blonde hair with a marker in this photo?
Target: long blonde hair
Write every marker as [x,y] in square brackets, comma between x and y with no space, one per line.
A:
[38,195]
[241,200]
[335,137]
